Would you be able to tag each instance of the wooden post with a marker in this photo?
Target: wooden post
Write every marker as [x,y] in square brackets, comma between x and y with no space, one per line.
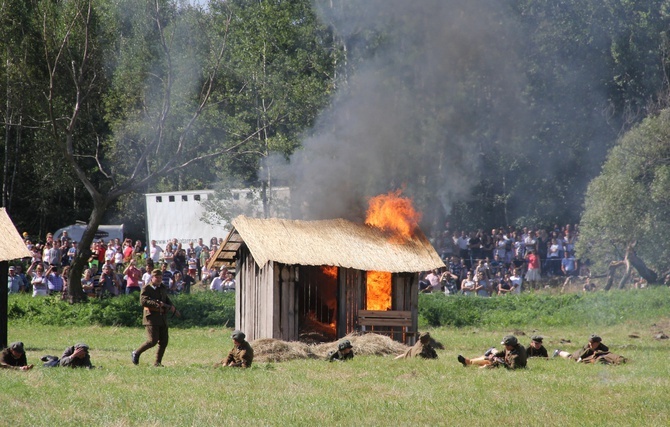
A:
[4,272]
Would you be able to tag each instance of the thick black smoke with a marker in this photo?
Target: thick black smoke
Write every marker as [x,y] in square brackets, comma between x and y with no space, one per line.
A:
[415,113]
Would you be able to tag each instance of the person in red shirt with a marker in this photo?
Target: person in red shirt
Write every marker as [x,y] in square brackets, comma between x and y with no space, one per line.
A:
[533,273]
[133,277]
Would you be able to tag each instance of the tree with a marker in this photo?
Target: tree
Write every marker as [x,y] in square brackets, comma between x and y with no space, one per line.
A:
[155,82]
[626,205]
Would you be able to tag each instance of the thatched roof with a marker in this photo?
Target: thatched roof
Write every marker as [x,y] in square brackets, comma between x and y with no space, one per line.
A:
[335,242]
[12,245]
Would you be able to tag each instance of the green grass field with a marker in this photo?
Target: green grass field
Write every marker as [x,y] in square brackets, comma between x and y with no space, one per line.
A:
[368,391]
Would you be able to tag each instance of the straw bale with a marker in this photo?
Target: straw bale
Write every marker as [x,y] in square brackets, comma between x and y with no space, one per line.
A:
[12,245]
[336,242]
[271,350]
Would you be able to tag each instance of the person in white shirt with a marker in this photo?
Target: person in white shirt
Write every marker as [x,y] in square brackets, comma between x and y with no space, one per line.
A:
[516,280]
[217,282]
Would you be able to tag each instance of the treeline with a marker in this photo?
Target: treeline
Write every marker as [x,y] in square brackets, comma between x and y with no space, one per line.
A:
[509,107]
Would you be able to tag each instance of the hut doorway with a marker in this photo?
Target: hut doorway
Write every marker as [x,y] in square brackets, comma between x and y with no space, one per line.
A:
[317,303]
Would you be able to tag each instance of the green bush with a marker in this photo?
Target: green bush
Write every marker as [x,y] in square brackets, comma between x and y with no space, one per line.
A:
[197,309]
[215,309]
[540,309]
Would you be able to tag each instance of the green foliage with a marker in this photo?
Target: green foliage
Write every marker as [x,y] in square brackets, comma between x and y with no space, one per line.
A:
[541,310]
[628,202]
[197,309]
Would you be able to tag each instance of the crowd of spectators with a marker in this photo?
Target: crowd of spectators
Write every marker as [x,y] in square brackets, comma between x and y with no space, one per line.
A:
[116,267]
[504,260]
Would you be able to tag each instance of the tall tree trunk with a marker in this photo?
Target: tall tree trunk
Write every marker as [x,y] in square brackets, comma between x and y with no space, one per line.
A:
[80,262]
[614,266]
[647,274]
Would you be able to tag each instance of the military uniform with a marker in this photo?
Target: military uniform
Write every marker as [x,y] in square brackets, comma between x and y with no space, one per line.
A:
[588,353]
[8,359]
[601,354]
[155,320]
[340,354]
[536,352]
[242,355]
[422,348]
[75,362]
[513,359]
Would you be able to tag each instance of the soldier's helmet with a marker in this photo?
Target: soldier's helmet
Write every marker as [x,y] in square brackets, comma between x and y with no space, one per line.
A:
[424,337]
[509,340]
[238,335]
[344,345]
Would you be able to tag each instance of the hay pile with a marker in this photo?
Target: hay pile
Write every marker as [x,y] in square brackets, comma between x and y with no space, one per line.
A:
[271,350]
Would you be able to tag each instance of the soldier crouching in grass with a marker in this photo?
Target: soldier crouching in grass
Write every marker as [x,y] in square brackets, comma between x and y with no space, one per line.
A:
[512,357]
[156,302]
[343,353]
[14,357]
[422,349]
[593,352]
[242,355]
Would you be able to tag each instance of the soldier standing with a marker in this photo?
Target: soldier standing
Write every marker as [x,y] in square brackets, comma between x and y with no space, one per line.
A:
[156,302]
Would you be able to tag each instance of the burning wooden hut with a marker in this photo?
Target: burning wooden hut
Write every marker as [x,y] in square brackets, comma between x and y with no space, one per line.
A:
[324,279]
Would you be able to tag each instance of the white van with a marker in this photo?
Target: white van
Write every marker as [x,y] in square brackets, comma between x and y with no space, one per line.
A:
[106,232]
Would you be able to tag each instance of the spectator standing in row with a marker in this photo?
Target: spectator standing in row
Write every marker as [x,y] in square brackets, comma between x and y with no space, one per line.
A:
[54,280]
[38,282]
[155,252]
[109,281]
[217,282]
[569,265]
[133,277]
[14,282]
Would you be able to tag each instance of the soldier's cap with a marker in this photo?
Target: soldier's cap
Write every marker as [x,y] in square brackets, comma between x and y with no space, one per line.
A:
[509,340]
[595,338]
[157,272]
[17,346]
[344,345]
[424,337]
[238,335]
[81,345]
[537,338]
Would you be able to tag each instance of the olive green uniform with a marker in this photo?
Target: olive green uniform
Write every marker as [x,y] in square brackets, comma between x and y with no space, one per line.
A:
[599,355]
[155,319]
[340,356]
[242,355]
[421,349]
[511,359]
[536,352]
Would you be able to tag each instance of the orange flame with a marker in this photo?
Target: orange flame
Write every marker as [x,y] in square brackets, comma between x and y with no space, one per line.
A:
[378,290]
[330,271]
[394,214]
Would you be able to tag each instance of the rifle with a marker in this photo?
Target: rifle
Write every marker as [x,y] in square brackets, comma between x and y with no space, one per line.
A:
[500,361]
[169,307]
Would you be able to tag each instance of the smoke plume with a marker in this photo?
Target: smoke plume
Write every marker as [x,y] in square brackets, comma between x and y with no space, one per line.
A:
[413,113]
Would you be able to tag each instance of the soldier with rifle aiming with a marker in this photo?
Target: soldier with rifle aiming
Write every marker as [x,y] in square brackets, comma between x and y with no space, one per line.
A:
[156,302]
[512,357]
